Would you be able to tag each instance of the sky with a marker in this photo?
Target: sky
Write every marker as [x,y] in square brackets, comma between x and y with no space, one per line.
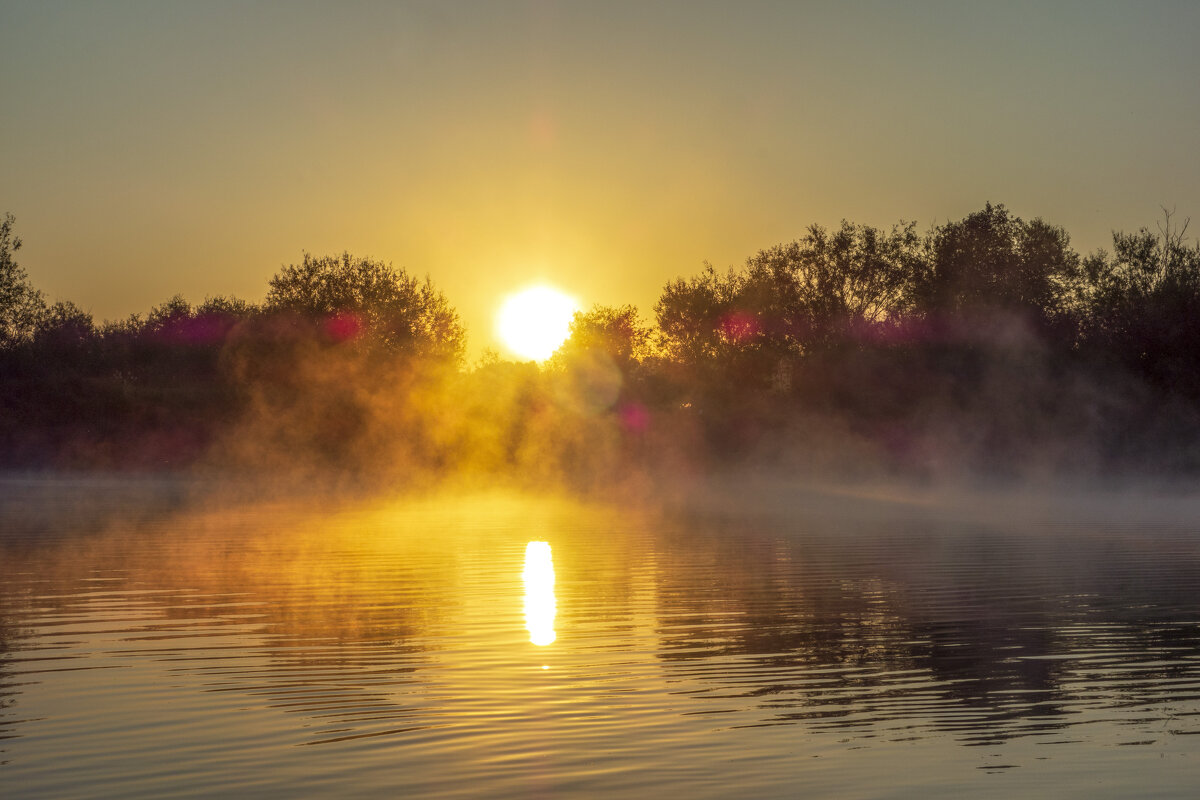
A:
[155,148]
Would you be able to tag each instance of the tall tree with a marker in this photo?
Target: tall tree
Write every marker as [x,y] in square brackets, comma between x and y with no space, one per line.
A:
[693,314]
[825,284]
[992,261]
[1142,302]
[361,297]
[21,306]
[615,332]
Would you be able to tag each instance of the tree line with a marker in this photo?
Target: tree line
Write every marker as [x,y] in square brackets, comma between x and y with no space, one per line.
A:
[982,345]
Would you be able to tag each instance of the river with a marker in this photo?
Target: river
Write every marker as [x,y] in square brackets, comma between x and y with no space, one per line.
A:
[156,645]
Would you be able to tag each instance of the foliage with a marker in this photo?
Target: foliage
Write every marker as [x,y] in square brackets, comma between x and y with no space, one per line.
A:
[353,297]
[790,300]
[1142,304]
[21,305]
[825,282]
[691,315]
[993,261]
[984,344]
[615,331]
[65,325]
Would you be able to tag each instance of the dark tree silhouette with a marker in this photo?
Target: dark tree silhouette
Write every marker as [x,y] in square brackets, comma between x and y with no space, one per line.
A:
[21,306]
[615,331]
[827,284]
[792,298]
[746,330]
[985,344]
[692,313]
[353,297]
[992,261]
[1142,304]
[64,326]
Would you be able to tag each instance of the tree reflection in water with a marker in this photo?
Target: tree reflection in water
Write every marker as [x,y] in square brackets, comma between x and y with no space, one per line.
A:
[378,623]
[984,634]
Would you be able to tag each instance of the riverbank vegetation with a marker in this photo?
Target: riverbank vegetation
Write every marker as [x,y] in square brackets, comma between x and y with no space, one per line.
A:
[984,346]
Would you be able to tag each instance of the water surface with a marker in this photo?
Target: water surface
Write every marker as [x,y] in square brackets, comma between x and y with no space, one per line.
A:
[507,646]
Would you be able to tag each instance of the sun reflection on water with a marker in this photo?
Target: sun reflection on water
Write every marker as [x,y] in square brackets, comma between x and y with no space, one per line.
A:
[540,605]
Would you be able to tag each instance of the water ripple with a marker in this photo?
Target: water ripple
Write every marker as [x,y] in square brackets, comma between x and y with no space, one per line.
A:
[184,654]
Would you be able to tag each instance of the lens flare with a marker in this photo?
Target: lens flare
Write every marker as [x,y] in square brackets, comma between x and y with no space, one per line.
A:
[540,605]
[533,323]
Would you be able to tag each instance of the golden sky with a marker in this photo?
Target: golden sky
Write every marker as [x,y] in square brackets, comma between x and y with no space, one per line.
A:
[155,148]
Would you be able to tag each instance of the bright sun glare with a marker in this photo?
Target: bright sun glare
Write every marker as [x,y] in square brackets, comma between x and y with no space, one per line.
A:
[533,322]
[540,605]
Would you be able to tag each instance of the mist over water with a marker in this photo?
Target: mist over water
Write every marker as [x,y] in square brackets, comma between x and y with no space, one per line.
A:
[852,510]
[877,513]
[984,350]
[857,645]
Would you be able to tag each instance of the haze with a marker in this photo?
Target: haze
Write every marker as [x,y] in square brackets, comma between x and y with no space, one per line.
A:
[155,148]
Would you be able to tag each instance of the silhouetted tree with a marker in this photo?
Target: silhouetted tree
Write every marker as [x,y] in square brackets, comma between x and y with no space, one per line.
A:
[747,329]
[615,331]
[826,285]
[21,306]
[64,326]
[353,297]
[985,343]
[793,297]
[600,364]
[693,315]
[992,261]
[1143,302]
[226,306]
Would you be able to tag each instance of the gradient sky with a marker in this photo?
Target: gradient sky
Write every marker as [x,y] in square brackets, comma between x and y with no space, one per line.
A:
[156,148]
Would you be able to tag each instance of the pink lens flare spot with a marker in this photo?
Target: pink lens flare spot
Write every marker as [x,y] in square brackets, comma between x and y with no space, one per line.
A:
[341,327]
[635,417]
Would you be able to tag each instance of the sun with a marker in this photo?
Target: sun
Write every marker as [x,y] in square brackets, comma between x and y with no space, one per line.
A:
[534,322]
